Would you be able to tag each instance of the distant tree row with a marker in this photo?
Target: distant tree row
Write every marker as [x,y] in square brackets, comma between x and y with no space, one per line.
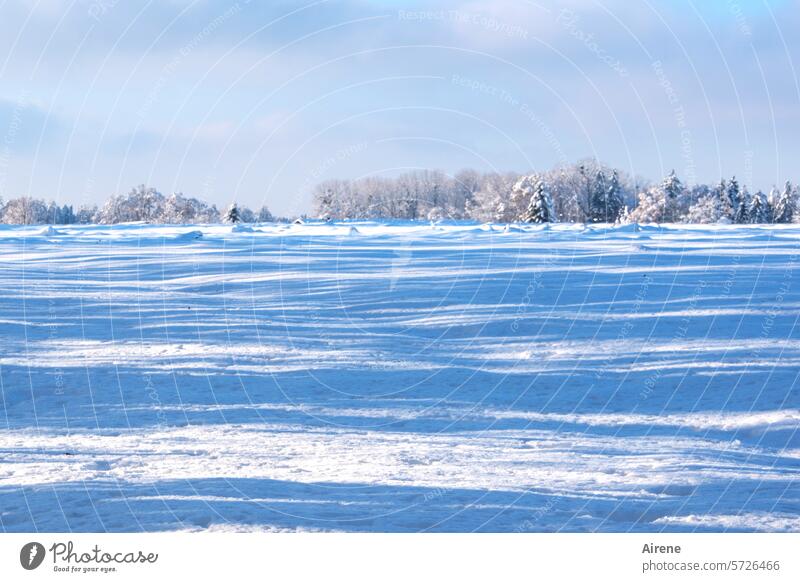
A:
[726,202]
[583,192]
[142,204]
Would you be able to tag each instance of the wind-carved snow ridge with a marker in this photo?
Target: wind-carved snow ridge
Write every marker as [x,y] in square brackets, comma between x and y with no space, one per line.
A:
[367,376]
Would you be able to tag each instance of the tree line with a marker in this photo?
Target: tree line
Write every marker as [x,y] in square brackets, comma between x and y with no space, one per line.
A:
[141,204]
[586,192]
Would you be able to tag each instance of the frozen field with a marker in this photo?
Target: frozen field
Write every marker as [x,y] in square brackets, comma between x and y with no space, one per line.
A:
[399,378]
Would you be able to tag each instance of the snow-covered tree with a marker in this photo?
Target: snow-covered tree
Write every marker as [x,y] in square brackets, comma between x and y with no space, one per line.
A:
[86,214]
[466,183]
[598,207]
[210,215]
[784,206]
[583,192]
[246,215]
[607,202]
[705,211]
[729,199]
[68,215]
[491,202]
[773,196]
[650,207]
[140,204]
[673,188]
[53,213]
[540,207]
[179,210]
[521,195]
[563,185]
[25,210]
[741,216]
[232,214]
[662,203]
[324,200]
[759,211]
[264,215]
[674,193]
[723,202]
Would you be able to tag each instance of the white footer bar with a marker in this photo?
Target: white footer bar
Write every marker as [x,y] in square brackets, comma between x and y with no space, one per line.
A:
[388,557]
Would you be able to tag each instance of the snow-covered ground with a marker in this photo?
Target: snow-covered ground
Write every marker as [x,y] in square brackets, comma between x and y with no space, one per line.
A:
[404,377]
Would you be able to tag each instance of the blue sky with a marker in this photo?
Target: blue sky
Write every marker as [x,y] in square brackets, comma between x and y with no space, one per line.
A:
[257,101]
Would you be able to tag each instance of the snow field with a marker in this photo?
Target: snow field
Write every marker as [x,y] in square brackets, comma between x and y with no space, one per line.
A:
[399,377]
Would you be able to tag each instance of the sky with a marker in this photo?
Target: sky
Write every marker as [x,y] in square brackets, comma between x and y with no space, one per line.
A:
[258,101]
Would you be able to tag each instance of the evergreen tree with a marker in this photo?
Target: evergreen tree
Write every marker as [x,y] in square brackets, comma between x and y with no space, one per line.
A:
[672,185]
[759,211]
[784,207]
[598,203]
[741,216]
[53,213]
[723,202]
[729,199]
[264,215]
[540,208]
[615,202]
[67,215]
[232,214]
[607,200]
[673,193]
[586,185]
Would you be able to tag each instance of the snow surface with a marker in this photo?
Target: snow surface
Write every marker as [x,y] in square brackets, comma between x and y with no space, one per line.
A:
[399,377]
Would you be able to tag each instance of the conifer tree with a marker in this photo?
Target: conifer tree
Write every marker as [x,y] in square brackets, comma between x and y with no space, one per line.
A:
[759,211]
[729,199]
[673,192]
[232,214]
[741,216]
[540,208]
[784,207]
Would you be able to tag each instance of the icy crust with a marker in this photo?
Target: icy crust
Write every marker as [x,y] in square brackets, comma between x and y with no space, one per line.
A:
[363,376]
